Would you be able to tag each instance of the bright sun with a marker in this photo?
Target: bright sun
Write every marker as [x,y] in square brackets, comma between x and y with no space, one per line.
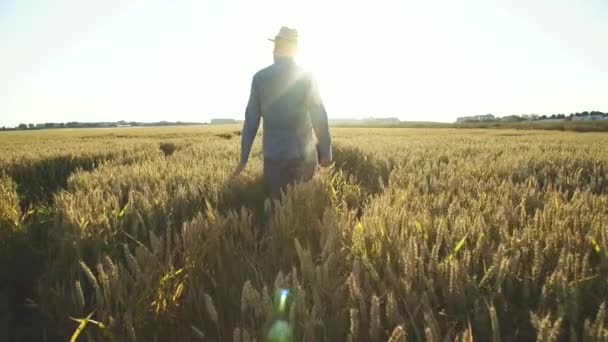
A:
[332,65]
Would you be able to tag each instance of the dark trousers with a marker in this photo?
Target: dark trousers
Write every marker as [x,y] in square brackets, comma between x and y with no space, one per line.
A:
[278,174]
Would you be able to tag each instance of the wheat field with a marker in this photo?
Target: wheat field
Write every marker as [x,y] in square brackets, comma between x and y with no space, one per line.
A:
[133,234]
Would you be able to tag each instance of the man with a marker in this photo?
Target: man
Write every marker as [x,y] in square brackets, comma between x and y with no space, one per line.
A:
[288,99]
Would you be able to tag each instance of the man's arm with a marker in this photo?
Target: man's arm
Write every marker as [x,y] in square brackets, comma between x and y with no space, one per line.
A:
[318,116]
[251,124]
[250,127]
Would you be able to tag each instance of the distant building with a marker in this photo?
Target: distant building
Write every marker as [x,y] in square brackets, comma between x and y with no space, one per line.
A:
[348,121]
[366,121]
[223,121]
[589,117]
[382,120]
[550,120]
[530,117]
[476,118]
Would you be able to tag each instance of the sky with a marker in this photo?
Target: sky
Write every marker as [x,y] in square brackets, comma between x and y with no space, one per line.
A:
[193,60]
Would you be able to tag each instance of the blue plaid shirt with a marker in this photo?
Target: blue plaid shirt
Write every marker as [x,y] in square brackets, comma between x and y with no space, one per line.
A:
[288,99]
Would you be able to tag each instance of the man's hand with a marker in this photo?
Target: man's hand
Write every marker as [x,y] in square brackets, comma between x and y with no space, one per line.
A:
[325,162]
[238,169]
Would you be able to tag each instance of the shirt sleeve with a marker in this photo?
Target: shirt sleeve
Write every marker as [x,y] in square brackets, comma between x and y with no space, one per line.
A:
[318,116]
[251,124]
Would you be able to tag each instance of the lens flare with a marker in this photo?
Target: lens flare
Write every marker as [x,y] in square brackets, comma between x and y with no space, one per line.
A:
[280,332]
[283,299]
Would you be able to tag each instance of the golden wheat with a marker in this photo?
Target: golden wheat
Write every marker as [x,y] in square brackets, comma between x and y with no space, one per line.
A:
[440,233]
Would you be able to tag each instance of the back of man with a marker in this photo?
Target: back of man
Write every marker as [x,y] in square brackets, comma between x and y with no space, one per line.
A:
[288,99]
[283,89]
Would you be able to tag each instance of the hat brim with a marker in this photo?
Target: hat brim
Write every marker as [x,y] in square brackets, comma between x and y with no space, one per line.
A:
[286,40]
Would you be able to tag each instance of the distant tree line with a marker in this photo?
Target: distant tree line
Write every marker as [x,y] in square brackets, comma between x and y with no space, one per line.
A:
[122,123]
[528,117]
[75,124]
